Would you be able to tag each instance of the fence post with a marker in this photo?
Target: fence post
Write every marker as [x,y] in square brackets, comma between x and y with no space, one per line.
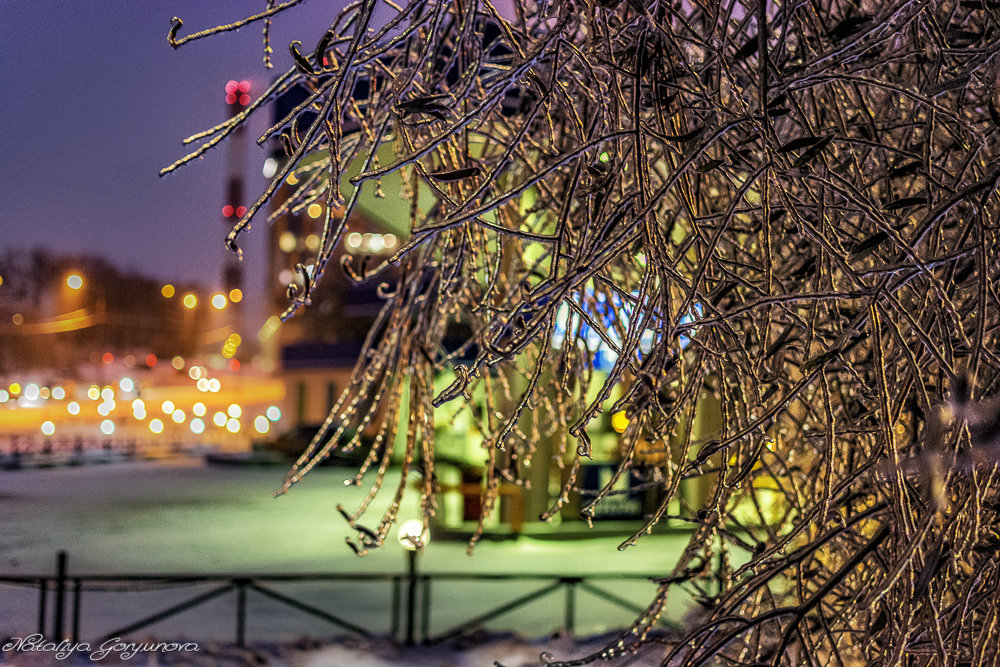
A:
[60,606]
[571,583]
[241,612]
[411,595]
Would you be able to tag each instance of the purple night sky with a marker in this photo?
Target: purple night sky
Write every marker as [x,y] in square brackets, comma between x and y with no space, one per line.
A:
[95,102]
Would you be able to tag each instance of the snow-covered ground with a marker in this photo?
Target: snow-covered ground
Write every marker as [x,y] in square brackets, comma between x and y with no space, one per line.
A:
[185,517]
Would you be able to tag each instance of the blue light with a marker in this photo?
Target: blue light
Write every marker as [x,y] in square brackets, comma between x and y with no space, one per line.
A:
[688,319]
[607,310]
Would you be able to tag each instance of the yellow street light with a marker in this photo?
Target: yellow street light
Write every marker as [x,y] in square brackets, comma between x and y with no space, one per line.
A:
[412,535]
[190,301]
[74,281]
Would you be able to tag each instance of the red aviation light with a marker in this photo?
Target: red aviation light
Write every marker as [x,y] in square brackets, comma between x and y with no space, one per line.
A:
[238,92]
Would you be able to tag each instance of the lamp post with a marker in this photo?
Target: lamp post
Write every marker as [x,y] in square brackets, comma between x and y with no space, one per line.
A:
[71,296]
[74,302]
[413,536]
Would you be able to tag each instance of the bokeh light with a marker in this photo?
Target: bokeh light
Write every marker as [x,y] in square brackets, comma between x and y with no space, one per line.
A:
[261,424]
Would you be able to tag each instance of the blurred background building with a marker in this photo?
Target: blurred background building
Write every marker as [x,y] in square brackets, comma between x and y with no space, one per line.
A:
[95,356]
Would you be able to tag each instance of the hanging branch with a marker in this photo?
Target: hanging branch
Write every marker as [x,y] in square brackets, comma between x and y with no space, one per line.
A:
[787,211]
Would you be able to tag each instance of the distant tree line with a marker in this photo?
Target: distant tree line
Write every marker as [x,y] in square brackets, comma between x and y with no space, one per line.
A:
[47,324]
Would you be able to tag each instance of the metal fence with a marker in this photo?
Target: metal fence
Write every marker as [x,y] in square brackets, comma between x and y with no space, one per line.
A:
[36,450]
[60,598]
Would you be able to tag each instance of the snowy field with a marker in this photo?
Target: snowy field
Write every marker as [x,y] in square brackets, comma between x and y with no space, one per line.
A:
[183,517]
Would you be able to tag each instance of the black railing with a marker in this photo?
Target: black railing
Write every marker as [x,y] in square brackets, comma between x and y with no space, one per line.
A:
[66,593]
[32,450]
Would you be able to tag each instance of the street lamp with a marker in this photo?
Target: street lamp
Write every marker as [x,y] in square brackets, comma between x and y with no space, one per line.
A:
[413,536]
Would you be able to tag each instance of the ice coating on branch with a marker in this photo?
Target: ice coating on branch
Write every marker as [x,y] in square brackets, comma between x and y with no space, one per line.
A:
[764,233]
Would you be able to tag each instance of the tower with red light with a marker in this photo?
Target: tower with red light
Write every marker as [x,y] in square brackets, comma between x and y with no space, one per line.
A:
[238,95]
[235,207]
